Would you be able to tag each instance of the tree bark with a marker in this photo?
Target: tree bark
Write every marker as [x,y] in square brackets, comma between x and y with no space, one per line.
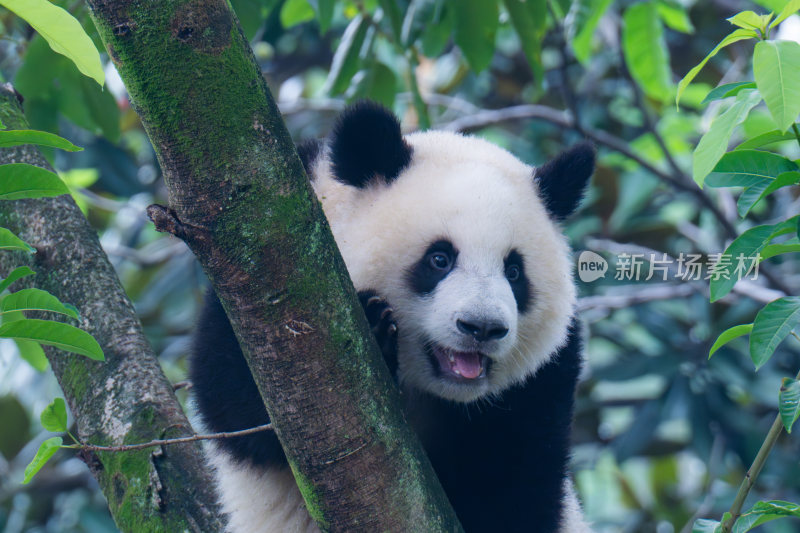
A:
[241,201]
[125,399]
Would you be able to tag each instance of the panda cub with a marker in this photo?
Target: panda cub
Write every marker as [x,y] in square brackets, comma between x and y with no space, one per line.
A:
[465,276]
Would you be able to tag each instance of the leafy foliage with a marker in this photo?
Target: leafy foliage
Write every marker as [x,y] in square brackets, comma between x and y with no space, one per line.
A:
[661,429]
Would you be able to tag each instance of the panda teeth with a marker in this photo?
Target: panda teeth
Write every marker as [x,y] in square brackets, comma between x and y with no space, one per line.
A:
[451,357]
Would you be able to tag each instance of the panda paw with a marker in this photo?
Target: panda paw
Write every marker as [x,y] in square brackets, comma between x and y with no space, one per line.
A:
[381,322]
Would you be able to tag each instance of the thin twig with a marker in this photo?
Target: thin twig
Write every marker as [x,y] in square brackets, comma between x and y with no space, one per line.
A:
[566,88]
[649,124]
[755,469]
[796,133]
[165,442]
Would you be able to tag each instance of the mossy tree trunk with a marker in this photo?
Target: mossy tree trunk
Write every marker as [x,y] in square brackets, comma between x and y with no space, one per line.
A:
[240,199]
[125,399]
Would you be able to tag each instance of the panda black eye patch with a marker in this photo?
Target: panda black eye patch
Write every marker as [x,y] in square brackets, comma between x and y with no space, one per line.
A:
[434,265]
[514,267]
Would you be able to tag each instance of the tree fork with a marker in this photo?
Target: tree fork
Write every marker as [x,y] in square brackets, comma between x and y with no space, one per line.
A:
[241,201]
[126,398]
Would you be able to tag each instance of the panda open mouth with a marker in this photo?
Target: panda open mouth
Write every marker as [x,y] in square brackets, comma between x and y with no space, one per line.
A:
[462,366]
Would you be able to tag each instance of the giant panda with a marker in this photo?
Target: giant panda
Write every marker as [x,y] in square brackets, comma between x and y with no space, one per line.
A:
[465,276]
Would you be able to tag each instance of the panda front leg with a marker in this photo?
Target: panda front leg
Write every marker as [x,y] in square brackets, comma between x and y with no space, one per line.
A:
[380,316]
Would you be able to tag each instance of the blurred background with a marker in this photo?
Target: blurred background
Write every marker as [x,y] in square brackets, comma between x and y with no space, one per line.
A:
[663,434]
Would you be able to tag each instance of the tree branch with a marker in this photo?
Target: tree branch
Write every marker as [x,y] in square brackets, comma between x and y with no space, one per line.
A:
[241,201]
[126,397]
[755,469]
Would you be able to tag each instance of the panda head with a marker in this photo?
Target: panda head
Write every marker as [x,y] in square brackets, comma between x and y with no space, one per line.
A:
[462,239]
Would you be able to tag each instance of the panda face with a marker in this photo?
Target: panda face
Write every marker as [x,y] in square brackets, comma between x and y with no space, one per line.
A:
[462,245]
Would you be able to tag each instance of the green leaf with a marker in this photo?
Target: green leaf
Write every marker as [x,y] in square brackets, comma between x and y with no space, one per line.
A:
[42,138]
[728,335]
[529,19]
[437,32]
[713,144]
[772,250]
[392,10]
[750,20]
[743,168]
[772,324]
[646,52]
[776,68]
[52,85]
[754,194]
[735,36]
[296,12]
[789,402]
[46,450]
[787,12]
[324,11]
[63,32]
[17,273]
[674,15]
[582,42]
[9,241]
[251,14]
[346,60]
[32,353]
[35,300]
[20,180]
[766,138]
[377,83]
[749,244]
[757,171]
[476,27]
[727,90]
[763,512]
[704,525]
[54,416]
[58,334]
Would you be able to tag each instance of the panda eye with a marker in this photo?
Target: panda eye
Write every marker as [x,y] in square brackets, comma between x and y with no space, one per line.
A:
[512,273]
[439,261]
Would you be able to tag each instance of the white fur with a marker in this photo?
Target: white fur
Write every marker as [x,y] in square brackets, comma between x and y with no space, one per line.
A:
[484,201]
[259,500]
[572,520]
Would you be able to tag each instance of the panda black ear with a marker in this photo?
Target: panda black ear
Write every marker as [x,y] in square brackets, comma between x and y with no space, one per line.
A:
[367,142]
[563,180]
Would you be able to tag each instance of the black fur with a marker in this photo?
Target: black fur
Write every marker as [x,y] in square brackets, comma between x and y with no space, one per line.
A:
[309,150]
[226,394]
[563,180]
[522,286]
[383,327]
[423,277]
[503,462]
[367,143]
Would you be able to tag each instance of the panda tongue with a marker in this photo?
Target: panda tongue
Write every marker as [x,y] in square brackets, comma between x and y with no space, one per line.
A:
[468,364]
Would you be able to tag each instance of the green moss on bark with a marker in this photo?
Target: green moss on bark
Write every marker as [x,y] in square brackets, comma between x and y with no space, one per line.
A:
[240,199]
[124,399]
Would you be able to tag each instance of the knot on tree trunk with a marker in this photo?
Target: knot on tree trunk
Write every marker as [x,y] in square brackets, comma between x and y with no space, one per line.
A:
[166,220]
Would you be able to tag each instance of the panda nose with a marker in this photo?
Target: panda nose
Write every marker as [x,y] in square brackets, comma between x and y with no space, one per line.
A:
[482,330]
